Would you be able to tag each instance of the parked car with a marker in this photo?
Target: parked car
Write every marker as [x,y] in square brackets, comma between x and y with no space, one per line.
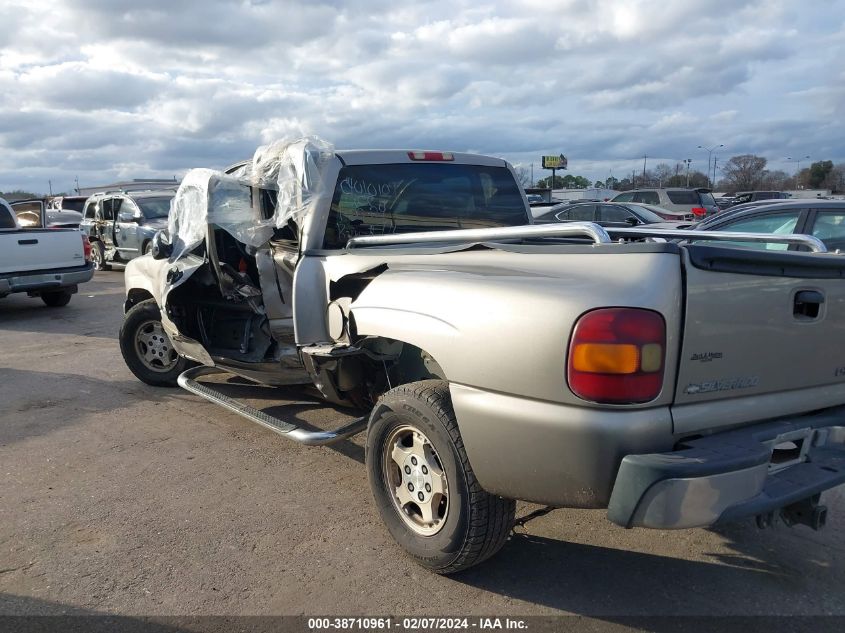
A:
[699,202]
[742,197]
[121,225]
[495,361]
[824,219]
[41,261]
[610,214]
[545,208]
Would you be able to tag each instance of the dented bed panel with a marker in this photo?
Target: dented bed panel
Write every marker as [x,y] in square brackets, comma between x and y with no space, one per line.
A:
[501,320]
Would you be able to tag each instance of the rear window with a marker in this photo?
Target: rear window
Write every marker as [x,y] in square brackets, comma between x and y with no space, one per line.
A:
[707,199]
[648,197]
[684,197]
[73,204]
[406,198]
[29,214]
[624,197]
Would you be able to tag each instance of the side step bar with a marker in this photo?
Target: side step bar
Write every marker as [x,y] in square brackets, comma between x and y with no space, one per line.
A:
[187,380]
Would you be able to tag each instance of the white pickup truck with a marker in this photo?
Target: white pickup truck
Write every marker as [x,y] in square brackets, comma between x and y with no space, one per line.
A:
[43,262]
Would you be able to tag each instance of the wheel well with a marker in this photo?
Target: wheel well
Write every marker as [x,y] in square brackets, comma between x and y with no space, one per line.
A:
[379,365]
[136,296]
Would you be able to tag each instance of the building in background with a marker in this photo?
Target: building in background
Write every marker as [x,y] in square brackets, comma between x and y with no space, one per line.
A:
[136,184]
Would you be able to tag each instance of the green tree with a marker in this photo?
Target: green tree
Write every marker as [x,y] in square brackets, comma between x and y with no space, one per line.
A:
[819,172]
[544,182]
[612,183]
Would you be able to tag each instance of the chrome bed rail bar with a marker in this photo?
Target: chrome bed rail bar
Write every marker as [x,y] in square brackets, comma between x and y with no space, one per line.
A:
[598,234]
[571,229]
[813,243]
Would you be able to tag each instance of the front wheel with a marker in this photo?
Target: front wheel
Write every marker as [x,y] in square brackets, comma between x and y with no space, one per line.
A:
[146,349]
[423,483]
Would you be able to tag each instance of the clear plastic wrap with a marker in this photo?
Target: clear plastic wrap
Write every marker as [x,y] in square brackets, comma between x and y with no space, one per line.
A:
[294,169]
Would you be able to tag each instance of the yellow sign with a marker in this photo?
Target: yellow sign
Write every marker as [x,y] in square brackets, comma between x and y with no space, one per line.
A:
[555,162]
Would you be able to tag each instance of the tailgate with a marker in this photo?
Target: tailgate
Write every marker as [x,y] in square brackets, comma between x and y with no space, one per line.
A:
[40,249]
[758,324]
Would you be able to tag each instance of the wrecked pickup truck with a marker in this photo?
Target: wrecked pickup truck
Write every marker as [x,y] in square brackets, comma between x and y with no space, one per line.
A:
[676,384]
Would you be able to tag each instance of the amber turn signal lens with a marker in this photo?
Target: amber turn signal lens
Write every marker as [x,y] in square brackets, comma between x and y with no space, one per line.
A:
[605,358]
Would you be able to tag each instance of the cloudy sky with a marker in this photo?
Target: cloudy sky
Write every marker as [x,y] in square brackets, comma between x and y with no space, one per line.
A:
[108,89]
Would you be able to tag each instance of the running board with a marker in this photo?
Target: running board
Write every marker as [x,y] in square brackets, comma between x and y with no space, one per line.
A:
[187,380]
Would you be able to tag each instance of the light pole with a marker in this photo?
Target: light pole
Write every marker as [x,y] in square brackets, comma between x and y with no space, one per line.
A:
[709,154]
[798,161]
[688,161]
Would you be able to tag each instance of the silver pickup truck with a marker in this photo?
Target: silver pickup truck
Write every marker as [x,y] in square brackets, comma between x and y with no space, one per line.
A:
[675,383]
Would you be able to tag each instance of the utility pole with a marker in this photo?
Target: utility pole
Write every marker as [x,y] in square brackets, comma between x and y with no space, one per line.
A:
[714,170]
[50,185]
[532,175]
[688,161]
[644,161]
[77,184]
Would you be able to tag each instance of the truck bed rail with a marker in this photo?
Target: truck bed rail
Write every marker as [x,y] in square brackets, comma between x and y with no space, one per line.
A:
[813,243]
[598,234]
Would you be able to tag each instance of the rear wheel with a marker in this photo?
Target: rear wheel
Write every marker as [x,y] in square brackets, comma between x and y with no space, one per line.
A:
[423,483]
[146,349]
[56,299]
[98,256]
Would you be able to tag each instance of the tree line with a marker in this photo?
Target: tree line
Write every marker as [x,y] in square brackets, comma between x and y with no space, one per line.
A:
[746,172]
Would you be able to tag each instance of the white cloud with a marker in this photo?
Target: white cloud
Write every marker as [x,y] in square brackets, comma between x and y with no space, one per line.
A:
[109,88]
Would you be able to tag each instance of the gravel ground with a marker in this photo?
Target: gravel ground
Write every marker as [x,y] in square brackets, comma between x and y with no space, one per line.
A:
[121,498]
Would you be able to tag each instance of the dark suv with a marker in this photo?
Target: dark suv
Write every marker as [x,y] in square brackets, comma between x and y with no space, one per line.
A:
[121,225]
[742,197]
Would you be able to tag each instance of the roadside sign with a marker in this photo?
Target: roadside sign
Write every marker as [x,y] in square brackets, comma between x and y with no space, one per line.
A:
[555,162]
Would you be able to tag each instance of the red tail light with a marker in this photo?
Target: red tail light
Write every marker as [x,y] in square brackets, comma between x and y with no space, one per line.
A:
[441,156]
[699,212]
[86,248]
[616,356]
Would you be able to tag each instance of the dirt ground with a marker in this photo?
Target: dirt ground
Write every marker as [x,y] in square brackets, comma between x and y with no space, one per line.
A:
[121,498]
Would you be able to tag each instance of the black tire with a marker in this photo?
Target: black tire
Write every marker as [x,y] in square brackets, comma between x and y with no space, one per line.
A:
[98,256]
[56,299]
[477,524]
[147,248]
[141,316]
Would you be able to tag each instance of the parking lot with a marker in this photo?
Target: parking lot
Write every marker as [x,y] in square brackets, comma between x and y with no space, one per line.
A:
[122,498]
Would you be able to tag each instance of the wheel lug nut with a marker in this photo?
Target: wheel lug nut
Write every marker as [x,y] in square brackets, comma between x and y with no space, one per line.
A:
[428,487]
[414,461]
[425,470]
[411,487]
[421,496]
[407,470]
